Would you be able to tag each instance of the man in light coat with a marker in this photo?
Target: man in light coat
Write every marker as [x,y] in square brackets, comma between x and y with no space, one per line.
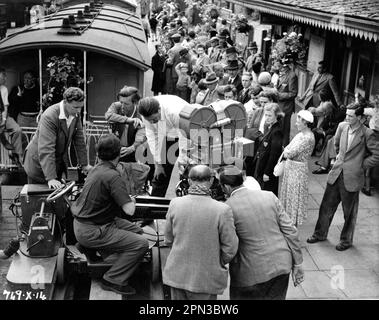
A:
[346,178]
[203,240]
[46,157]
[269,247]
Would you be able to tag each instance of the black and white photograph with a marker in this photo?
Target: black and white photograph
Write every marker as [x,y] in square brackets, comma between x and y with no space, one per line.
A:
[214,150]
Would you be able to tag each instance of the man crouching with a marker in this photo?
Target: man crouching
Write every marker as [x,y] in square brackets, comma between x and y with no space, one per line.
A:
[98,224]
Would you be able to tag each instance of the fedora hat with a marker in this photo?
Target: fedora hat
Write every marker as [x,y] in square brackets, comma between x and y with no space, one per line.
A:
[252,45]
[232,65]
[221,36]
[183,52]
[231,50]
[210,78]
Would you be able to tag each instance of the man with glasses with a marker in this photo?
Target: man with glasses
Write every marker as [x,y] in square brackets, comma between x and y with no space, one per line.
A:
[46,158]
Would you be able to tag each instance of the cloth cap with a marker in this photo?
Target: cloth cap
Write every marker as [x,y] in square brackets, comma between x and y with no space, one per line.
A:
[252,45]
[264,78]
[230,50]
[232,65]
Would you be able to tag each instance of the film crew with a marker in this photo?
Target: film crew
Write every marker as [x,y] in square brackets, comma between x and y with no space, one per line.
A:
[46,157]
[269,247]
[161,118]
[98,224]
[126,122]
[9,124]
[202,237]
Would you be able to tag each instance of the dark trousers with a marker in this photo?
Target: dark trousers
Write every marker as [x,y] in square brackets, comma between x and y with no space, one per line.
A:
[286,129]
[334,194]
[160,184]
[119,244]
[274,289]
[181,294]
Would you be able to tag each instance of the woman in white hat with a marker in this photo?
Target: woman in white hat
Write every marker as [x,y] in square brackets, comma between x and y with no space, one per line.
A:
[293,191]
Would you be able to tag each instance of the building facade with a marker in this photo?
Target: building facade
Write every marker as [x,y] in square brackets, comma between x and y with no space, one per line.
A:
[343,32]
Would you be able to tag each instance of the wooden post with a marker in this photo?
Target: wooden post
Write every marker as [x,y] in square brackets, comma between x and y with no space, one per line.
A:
[1,197]
[40,77]
[85,89]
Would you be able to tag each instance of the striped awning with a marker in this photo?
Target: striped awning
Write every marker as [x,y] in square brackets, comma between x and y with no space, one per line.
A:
[350,25]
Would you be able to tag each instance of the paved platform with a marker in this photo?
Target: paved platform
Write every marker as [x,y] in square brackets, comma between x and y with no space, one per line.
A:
[329,274]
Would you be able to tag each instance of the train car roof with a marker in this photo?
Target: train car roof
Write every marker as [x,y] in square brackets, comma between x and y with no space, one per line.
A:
[132,3]
[113,31]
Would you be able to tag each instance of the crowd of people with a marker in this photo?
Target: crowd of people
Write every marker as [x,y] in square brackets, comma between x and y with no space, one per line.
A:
[200,64]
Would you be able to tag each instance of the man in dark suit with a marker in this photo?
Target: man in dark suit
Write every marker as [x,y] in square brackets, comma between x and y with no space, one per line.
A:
[320,80]
[244,95]
[234,77]
[46,158]
[269,246]
[287,92]
[157,63]
[346,178]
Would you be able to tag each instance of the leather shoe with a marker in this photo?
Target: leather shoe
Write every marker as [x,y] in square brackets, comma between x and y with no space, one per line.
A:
[14,157]
[12,247]
[313,239]
[342,247]
[126,289]
[367,192]
[320,170]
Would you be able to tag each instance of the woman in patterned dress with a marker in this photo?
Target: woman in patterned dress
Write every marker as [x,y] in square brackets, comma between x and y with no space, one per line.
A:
[293,191]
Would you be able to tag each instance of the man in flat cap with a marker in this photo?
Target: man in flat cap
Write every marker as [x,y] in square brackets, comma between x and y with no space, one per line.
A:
[214,50]
[171,62]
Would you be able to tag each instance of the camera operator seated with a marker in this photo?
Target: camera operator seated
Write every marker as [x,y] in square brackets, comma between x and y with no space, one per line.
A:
[98,225]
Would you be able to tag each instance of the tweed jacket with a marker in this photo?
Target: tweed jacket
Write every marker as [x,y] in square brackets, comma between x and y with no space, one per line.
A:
[287,91]
[202,236]
[268,242]
[47,153]
[363,153]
